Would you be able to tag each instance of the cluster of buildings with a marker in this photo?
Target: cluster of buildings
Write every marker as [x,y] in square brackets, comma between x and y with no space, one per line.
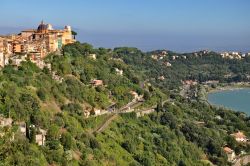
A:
[159,56]
[40,134]
[228,55]
[95,112]
[234,55]
[34,43]
[230,154]
[201,53]
[240,137]
[176,57]
[190,82]
[136,96]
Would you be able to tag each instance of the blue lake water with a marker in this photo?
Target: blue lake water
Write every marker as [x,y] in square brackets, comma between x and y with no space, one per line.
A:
[237,99]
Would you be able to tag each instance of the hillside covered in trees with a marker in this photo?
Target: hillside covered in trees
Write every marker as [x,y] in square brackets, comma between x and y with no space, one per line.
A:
[62,100]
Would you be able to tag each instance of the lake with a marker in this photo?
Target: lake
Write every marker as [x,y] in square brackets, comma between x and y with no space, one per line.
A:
[236,99]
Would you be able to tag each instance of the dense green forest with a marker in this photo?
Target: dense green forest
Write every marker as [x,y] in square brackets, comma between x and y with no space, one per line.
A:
[179,132]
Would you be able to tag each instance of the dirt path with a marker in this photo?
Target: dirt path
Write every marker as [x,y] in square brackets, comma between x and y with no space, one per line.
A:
[102,127]
[106,124]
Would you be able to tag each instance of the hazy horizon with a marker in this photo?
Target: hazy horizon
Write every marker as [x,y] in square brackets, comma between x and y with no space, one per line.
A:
[173,25]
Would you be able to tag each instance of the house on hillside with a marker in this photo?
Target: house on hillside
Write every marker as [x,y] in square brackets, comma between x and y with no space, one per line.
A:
[135,95]
[41,137]
[167,64]
[5,122]
[155,57]
[92,56]
[189,82]
[164,53]
[118,71]
[22,127]
[211,82]
[86,113]
[145,112]
[161,78]
[56,77]
[218,117]
[175,57]
[97,112]
[97,82]
[240,136]
[230,154]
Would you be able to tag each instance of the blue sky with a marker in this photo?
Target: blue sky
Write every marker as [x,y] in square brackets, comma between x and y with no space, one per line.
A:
[179,25]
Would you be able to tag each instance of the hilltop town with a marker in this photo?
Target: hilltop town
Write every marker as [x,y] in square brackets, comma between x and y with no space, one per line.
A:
[33,44]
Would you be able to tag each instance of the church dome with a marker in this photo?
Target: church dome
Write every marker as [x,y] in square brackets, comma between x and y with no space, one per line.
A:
[42,27]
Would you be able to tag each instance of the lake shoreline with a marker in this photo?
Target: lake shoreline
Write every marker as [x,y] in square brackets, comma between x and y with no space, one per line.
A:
[226,89]
[205,90]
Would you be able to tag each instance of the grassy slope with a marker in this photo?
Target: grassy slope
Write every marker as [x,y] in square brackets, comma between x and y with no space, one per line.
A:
[141,131]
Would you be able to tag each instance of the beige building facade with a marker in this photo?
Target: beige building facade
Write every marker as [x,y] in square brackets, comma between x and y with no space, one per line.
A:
[35,42]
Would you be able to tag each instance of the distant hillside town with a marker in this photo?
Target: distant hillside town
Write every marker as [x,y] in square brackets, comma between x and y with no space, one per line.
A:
[33,43]
[227,55]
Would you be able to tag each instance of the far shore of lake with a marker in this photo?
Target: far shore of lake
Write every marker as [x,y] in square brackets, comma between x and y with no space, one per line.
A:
[227,87]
